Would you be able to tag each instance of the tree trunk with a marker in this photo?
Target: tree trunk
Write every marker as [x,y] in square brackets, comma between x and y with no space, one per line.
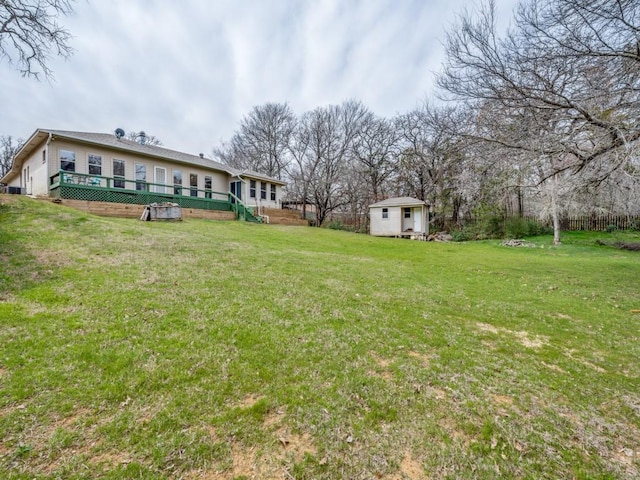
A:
[554,210]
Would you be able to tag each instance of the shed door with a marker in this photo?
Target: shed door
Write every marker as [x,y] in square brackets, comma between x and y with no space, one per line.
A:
[417,219]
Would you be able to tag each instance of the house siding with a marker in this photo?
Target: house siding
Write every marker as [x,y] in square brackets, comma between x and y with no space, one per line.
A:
[386,226]
[396,224]
[36,181]
[257,201]
[219,179]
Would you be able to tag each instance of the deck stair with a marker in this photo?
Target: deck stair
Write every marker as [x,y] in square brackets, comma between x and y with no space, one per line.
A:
[280,216]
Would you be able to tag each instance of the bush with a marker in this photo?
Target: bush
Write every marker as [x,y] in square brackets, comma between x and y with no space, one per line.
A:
[459,236]
[336,225]
[518,227]
[490,226]
[611,228]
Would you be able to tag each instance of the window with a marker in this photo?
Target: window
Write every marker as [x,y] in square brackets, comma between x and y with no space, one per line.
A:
[118,173]
[177,182]
[193,182]
[67,160]
[95,164]
[407,212]
[160,178]
[273,192]
[385,213]
[141,176]
[207,187]
[263,190]
[252,188]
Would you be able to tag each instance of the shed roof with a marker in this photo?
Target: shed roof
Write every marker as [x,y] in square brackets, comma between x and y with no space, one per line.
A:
[398,202]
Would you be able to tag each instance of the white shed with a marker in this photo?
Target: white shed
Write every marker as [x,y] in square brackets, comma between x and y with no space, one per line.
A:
[399,217]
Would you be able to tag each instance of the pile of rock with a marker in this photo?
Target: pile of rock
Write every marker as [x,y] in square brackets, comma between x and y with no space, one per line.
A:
[517,243]
[439,237]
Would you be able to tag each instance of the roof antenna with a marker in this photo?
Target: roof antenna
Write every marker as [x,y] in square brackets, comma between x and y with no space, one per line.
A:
[119,133]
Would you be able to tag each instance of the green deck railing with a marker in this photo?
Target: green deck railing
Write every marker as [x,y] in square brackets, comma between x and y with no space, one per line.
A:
[97,188]
[242,211]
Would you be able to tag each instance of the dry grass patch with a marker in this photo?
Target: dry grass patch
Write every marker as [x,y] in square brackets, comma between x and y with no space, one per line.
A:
[421,357]
[248,401]
[485,327]
[553,367]
[523,337]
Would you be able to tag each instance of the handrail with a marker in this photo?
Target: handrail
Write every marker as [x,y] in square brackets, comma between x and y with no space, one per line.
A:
[84,184]
[242,211]
[64,177]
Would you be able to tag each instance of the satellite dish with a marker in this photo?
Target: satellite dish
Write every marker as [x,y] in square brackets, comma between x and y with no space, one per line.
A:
[119,133]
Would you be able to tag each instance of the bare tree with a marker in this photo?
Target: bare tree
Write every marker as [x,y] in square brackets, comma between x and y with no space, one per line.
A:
[262,141]
[375,151]
[300,171]
[8,148]
[143,138]
[596,95]
[432,155]
[331,132]
[30,34]
[567,87]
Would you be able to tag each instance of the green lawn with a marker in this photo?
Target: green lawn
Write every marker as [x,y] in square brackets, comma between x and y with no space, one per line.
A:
[228,350]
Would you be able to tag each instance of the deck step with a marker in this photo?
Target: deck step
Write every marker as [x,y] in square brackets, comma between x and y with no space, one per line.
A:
[279,216]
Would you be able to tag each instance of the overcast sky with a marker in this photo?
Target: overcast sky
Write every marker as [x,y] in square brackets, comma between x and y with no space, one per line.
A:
[188,71]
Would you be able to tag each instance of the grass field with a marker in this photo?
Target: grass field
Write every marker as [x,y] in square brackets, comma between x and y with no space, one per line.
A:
[227,350]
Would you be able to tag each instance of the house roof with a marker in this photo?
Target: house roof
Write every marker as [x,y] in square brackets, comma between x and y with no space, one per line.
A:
[253,175]
[398,202]
[113,142]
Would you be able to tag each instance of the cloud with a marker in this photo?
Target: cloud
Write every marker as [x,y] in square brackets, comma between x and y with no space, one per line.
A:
[188,72]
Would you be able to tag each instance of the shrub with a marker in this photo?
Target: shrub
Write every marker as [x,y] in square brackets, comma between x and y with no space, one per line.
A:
[459,236]
[611,228]
[336,225]
[490,226]
[518,227]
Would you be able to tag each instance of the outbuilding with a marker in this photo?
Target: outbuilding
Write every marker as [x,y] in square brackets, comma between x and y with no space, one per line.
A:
[399,217]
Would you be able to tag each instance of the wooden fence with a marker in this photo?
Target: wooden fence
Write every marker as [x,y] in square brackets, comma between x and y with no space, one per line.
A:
[601,222]
[573,223]
[590,223]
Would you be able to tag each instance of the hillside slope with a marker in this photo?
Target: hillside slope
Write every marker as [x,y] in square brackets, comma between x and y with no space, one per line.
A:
[204,349]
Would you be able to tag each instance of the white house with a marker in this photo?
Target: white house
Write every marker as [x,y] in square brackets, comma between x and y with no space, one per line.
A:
[399,217]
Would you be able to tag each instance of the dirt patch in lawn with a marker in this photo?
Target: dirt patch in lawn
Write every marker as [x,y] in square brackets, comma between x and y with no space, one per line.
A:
[249,401]
[502,400]
[410,469]
[424,359]
[274,419]
[384,365]
[264,462]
